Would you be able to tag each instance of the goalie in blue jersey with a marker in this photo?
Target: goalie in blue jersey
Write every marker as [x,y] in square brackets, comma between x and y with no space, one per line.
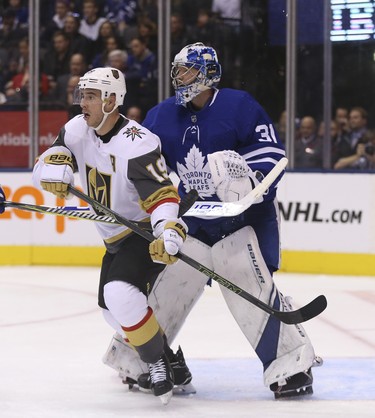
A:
[222,143]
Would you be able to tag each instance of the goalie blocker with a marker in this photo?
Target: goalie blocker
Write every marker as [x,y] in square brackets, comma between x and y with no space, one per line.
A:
[289,350]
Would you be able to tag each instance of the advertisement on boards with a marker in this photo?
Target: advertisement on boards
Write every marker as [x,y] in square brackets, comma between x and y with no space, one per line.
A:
[14,135]
[327,223]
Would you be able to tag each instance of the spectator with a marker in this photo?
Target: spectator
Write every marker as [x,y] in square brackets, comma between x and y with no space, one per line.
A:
[141,75]
[21,11]
[107,30]
[111,44]
[135,113]
[149,9]
[122,12]
[62,10]
[46,11]
[56,60]
[204,29]
[79,44]
[228,13]
[228,10]
[21,55]
[308,147]
[17,90]
[179,35]
[77,67]
[17,60]
[364,156]
[91,22]
[190,9]
[281,126]
[118,59]
[357,125]
[10,32]
[337,145]
[147,29]
[342,119]
[78,6]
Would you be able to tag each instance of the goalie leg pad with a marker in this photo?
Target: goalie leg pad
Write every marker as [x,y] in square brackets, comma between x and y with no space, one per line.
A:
[117,351]
[172,297]
[283,349]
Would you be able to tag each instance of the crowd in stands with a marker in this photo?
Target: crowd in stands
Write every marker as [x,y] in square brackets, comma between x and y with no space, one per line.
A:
[118,33]
[352,142]
[82,34]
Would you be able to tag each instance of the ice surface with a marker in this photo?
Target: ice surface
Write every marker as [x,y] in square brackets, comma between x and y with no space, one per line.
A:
[52,339]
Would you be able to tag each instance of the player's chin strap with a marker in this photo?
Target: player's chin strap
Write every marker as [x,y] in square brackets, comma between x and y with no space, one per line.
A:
[105,115]
[303,314]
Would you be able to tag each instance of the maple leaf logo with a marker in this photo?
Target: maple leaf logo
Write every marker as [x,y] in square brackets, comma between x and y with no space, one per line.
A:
[196,174]
[133,132]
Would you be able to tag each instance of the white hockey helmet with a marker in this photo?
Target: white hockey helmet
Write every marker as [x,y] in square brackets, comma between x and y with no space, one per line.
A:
[202,58]
[108,80]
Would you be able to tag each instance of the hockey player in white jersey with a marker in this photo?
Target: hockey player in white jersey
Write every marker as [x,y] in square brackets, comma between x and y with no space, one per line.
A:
[120,165]
[221,142]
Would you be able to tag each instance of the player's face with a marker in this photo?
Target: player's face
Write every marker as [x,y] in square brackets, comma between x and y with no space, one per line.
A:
[185,75]
[91,105]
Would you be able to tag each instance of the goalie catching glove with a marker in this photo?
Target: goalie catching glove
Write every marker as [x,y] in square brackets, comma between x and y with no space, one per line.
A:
[232,177]
[170,235]
[57,174]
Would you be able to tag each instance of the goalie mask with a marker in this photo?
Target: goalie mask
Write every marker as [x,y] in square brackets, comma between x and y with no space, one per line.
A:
[187,82]
[108,81]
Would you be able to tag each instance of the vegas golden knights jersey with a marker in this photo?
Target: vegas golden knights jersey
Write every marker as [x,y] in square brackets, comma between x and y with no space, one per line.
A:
[124,171]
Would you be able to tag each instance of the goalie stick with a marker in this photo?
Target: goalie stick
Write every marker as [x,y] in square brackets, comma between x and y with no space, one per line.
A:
[81,212]
[219,209]
[309,311]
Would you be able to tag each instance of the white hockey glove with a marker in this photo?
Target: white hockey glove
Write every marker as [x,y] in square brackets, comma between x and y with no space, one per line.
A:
[170,235]
[232,177]
[56,174]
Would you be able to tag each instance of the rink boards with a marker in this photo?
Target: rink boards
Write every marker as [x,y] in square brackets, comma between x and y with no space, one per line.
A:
[327,222]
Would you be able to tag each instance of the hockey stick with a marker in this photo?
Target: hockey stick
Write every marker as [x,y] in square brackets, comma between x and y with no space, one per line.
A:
[80,212]
[74,212]
[219,209]
[200,208]
[303,314]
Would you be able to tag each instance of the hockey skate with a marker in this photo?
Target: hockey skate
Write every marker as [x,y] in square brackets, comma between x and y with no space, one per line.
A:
[298,385]
[181,372]
[161,379]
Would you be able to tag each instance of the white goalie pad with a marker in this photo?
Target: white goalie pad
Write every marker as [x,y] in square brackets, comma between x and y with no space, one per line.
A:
[173,296]
[238,258]
[121,357]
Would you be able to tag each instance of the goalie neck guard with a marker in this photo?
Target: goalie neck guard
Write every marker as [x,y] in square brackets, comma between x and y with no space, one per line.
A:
[202,58]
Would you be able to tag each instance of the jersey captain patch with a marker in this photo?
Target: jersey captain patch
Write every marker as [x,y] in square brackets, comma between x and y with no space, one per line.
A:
[133,132]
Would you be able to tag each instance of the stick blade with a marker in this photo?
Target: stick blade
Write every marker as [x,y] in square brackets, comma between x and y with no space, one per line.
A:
[307,312]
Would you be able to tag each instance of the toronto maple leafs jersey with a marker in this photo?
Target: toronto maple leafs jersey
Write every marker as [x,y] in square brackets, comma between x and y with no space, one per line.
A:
[123,170]
[232,120]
